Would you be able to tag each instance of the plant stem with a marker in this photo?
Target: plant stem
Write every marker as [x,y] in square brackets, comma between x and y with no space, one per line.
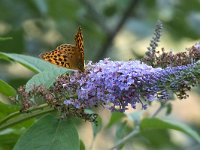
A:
[18,117]
[162,105]
[12,115]
[95,15]
[126,138]
[111,35]
[9,117]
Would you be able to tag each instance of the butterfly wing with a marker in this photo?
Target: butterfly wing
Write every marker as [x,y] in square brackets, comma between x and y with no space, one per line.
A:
[80,48]
[63,56]
[67,55]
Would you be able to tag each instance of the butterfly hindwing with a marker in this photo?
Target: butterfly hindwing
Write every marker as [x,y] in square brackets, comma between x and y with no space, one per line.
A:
[61,56]
[67,55]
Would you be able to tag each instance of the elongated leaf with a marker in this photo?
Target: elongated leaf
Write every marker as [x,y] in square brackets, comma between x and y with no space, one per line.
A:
[25,119]
[115,118]
[82,146]
[6,89]
[135,116]
[122,129]
[50,133]
[157,139]
[8,140]
[32,63]
[5,38]
[46,78]
[7,109]
[154,123]
[95,126]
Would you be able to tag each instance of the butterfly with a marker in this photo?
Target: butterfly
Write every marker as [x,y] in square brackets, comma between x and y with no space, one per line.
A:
[68,55]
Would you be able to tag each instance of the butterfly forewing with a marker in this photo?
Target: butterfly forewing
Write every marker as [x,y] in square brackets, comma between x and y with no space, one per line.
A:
[63,56]
[80,48]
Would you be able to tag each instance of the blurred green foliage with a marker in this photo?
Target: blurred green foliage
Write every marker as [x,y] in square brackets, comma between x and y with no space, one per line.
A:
[30,23]
[36,26]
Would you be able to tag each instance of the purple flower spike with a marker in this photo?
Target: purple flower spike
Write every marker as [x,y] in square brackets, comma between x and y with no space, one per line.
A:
[116,84]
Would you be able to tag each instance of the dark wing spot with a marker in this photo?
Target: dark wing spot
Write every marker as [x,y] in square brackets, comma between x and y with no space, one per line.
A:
[65,56]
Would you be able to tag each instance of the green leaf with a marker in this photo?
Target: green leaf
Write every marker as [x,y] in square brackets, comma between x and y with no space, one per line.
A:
[46,78]
[115,117]
[157,139]
[155,123]
[13,119]
[122,129]
[32,63]
[82,146]
[8,140]
[169,108]
[97,127]
[48,72]
[50,133]
[5,38]
[6,89]
[135,116]
[7,109]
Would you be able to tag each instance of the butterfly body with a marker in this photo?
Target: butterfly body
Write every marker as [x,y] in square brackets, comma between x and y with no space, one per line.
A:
[68,55]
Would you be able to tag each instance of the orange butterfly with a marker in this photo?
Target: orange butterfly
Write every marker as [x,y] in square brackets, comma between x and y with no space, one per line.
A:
[68,55]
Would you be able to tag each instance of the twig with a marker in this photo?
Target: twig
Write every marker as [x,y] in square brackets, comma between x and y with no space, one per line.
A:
[137,129]
[9,121]
[12,115]
[95,15]
[162,105]
[103,50]
[126,138]
[9,117]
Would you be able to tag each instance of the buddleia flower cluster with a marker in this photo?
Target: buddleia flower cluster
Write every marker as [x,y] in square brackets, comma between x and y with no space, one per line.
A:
[115,85]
